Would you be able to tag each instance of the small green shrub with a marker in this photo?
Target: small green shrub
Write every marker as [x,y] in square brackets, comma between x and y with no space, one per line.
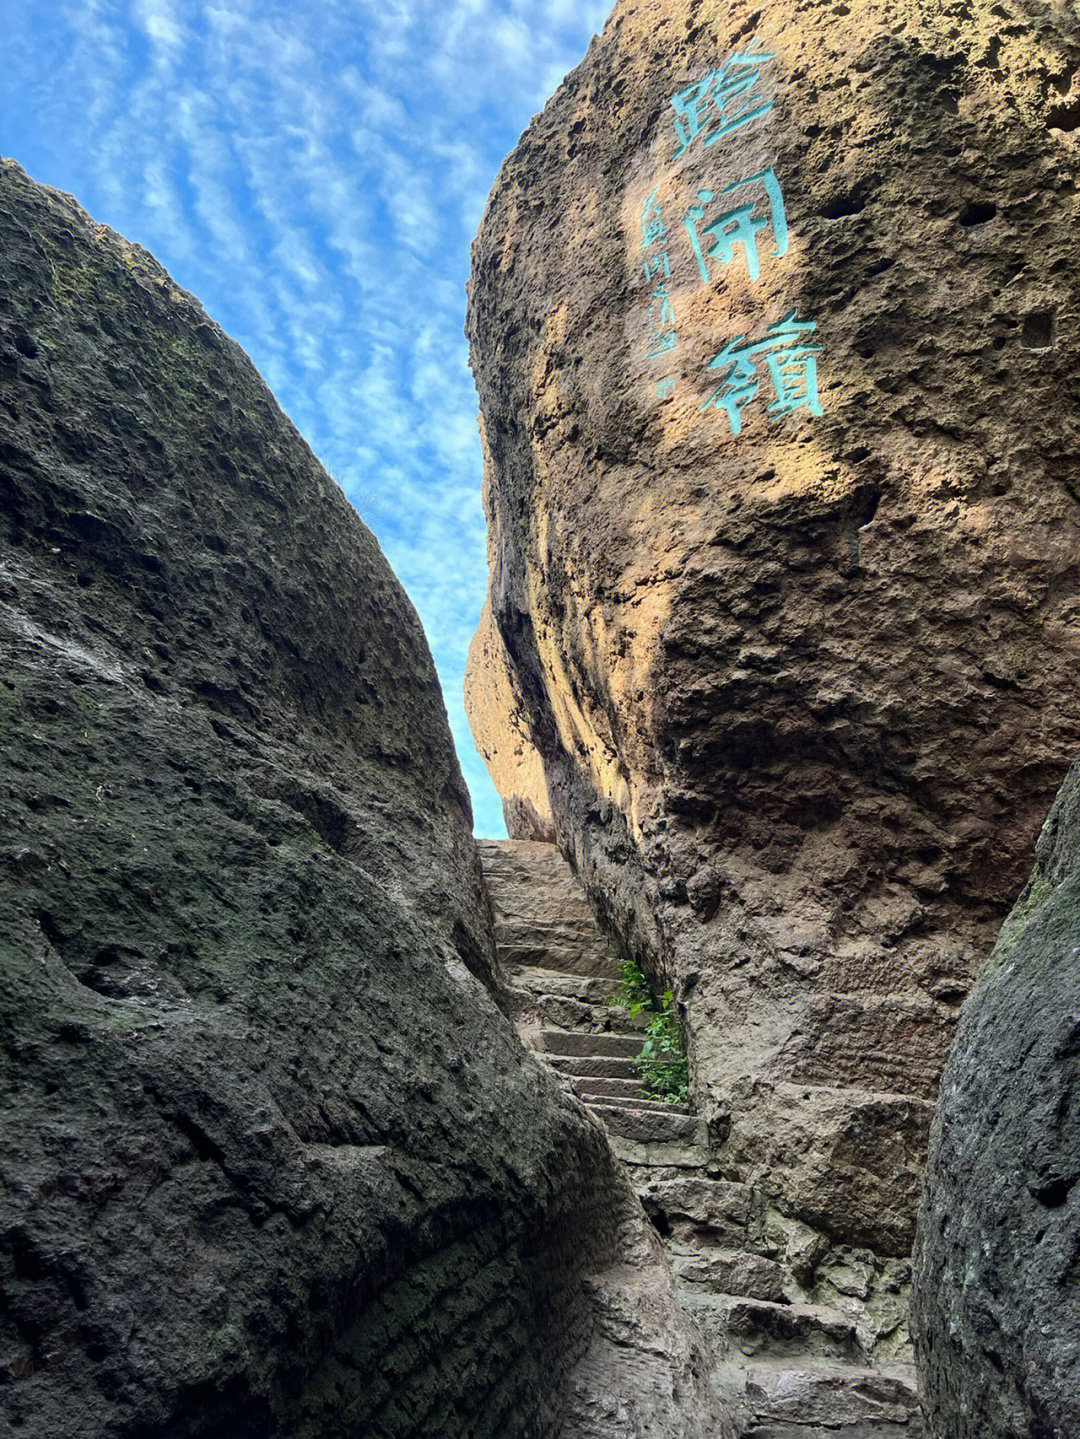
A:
[662,1064]
[633,992]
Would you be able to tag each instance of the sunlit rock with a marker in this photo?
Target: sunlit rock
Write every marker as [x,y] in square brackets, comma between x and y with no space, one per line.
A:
[774,324]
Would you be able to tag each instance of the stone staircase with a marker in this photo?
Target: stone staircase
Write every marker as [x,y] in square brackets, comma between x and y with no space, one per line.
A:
[787,1369]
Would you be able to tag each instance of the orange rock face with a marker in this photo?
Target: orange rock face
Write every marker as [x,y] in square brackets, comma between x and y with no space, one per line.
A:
[774,318]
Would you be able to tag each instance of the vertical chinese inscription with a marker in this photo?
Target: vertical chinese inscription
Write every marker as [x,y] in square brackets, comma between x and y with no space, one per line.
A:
[732,224]
[657,266]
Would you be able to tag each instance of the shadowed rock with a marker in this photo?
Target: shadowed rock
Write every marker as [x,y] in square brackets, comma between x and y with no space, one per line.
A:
[996,1313]
[272,1162]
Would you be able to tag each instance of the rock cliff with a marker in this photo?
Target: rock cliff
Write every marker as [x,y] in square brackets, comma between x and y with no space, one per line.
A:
[996,1311]
[272,1161]
[784,1368]
[774,320]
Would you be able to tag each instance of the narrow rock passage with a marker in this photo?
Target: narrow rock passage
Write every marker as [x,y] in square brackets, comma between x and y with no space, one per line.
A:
[788,1369]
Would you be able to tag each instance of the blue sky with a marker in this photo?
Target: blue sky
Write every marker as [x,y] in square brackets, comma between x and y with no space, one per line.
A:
[315,173]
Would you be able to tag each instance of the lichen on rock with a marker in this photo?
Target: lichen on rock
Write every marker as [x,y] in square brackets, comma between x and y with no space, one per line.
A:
[995,1314]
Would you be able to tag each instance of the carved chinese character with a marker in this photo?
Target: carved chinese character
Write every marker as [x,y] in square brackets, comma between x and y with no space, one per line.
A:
[652,222]
[739,226]
[710,109]
[791,363]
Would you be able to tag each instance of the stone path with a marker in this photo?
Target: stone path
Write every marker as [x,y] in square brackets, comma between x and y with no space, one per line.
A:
[788,1370]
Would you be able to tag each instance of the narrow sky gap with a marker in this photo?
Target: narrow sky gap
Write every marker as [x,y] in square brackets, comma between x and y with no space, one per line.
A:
[315,178]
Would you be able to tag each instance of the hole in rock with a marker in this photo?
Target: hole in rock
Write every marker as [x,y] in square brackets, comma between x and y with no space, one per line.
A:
[1064,117]
[865,505]
[50,929]
[661,1223]
[1054,1192]
[840,205]
[977,213]
[1037,331]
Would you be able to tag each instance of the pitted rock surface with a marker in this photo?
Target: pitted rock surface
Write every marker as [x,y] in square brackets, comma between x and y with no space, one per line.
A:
[784,1364]
[802,694]
[996,1317]
[272,1161]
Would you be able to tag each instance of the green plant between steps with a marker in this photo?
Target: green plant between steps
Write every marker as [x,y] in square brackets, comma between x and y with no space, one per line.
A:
[662,1064]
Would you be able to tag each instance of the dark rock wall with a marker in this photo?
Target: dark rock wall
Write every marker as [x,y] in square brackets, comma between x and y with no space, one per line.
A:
[997,1290]
[272,1161]
[802,693]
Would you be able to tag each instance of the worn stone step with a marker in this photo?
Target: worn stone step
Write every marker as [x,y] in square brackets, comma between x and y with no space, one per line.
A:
[756,1328]
[568,952]
[650,1126]
[567,1041]
[731,1271]
[599,1066]
[585,987]
[638,1101]
[821,1403]
[609,1088]
[696,1210]
[564,1012]
[643,1158]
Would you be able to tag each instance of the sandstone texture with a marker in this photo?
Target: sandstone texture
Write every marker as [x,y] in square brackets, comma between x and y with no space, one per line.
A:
[997,1310]
[774,316]
[273,1163]
[789,1341]
[503,736]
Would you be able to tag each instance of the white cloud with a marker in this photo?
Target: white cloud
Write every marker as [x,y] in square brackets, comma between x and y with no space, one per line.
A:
[318,186]
[158,20]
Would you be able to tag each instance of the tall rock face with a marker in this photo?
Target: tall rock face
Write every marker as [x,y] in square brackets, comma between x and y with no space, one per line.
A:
[774,314]
[272,1161]
[996,1312]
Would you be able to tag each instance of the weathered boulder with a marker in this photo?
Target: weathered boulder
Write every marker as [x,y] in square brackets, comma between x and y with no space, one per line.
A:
[996,1313]
[774,313]
[272,1161]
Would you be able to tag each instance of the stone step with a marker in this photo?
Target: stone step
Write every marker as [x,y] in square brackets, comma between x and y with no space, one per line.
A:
[820,1403]
[567,1041]
[758,1329]
[731,1271]
[644,1158]
[593,1066]
[609,1088]
[568,953]
[590,988]
[696,1210]
[632,1102]
[648,1126]
[564,1012]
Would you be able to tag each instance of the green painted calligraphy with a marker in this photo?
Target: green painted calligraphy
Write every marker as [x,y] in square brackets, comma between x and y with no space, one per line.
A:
[707,110]
[739,226]
[791,361]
